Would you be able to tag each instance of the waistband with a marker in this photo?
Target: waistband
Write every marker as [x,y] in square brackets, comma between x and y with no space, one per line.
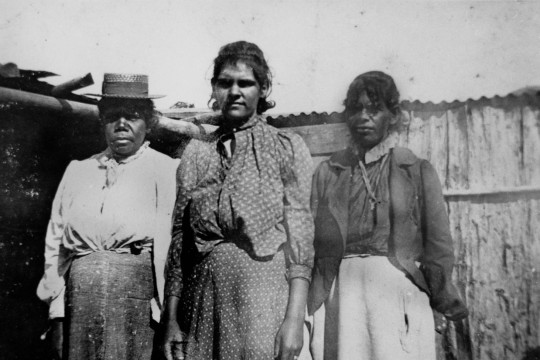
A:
[350,256]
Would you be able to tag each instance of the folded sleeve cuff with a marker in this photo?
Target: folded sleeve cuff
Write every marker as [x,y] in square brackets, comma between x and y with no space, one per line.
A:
[56,307]
[299,271]
[173,288]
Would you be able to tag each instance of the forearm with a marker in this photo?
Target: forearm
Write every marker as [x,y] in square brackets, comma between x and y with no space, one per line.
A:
[171,309]
[298,290]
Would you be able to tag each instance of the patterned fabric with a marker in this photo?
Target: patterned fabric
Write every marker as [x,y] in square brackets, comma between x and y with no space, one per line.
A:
[373,312]
[228,312]
[103,205]
[258,199]
[108,299]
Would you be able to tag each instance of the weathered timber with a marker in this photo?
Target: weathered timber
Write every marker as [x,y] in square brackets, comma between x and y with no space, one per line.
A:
[48,103]
[67,87]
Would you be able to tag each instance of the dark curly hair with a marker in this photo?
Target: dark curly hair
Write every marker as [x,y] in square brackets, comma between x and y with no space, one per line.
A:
[251,55]
[145,107]
[380,88]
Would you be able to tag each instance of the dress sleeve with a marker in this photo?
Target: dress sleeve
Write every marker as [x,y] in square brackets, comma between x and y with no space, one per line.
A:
[297,177]
[57,258]
[166,196]
[186,176]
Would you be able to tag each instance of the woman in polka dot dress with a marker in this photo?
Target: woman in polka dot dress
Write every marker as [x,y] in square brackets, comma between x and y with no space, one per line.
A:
[240,264]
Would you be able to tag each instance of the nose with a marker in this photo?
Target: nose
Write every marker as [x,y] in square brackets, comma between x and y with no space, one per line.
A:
[366,114]
[235,89]
[121,123]
[361,116]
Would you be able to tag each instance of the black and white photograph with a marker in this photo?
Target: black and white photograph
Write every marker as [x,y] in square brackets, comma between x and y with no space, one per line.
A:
[270,180]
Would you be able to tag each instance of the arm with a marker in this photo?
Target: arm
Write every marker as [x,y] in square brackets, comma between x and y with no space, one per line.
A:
[51,287]
[438,258]
[186,177]
[289,340]
[299,249]
[57,259]
[165,174]
[173,339]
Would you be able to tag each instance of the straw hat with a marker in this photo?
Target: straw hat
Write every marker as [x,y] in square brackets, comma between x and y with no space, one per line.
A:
[125,86]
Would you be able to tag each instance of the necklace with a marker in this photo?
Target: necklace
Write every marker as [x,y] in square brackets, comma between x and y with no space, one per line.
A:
[373,201]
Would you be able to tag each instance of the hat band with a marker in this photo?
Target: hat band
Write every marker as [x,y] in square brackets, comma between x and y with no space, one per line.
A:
[125,88]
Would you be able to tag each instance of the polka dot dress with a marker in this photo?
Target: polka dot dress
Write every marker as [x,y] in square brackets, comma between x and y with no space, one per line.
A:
[248,222]
[233,305]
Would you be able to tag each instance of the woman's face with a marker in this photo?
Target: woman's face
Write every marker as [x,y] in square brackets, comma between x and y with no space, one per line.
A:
[368,123]
[237,93]
[124,131]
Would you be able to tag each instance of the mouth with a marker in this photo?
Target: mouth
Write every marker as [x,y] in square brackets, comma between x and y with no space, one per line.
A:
[364,129]
[122,140]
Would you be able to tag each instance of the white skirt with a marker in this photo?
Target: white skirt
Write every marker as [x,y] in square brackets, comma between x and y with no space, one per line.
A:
[373,312]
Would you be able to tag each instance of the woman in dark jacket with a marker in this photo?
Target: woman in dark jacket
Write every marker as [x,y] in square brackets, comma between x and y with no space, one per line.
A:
[383,251]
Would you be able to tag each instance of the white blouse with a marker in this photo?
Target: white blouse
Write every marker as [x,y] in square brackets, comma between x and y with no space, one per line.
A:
[105,205]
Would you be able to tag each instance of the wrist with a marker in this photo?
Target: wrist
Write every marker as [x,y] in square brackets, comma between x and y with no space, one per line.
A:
[294,317]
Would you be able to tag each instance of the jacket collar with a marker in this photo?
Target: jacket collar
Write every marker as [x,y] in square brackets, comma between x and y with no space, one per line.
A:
[347,158]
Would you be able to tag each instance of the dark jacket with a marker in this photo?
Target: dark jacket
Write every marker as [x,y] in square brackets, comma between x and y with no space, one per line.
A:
[419,228]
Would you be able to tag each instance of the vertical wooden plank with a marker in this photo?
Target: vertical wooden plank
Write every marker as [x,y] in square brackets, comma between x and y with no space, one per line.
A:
[531,145]
[457,337]
[404,129]
[495,146]
[458,149]
[417,134]
[436,138]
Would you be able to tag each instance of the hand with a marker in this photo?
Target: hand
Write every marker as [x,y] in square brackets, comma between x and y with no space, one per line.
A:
[289,339]
[173,341]
[440,322]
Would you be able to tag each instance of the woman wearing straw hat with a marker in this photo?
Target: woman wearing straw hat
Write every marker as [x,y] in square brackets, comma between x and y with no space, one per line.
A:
[110,231]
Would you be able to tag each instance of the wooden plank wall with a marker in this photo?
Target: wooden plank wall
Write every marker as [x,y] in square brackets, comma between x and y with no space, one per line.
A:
[487,154]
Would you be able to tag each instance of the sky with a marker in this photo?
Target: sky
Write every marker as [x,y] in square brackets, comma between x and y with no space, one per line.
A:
[435,50]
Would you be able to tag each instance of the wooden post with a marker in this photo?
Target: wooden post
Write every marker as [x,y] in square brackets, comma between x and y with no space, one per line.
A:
[71,85]
[49,103]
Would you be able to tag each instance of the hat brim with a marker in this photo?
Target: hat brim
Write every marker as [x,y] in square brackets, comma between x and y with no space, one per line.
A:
[141,97]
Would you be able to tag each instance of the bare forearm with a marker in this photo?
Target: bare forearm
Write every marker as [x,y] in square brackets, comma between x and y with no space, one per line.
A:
[298,290]
[171,309]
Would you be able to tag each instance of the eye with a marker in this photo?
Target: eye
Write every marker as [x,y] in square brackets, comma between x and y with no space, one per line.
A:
[109,117]
[356,108]
[246,83]
[372,109]
[134,116]
[224,83]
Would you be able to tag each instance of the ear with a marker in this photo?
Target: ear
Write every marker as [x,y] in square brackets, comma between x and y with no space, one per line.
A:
[264,90]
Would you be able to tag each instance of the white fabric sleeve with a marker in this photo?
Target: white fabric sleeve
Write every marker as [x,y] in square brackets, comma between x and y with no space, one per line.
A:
[166,197]
[57,259]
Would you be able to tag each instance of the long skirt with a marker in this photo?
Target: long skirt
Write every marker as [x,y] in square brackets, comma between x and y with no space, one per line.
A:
[233,305]
[108,307]
[374,312]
